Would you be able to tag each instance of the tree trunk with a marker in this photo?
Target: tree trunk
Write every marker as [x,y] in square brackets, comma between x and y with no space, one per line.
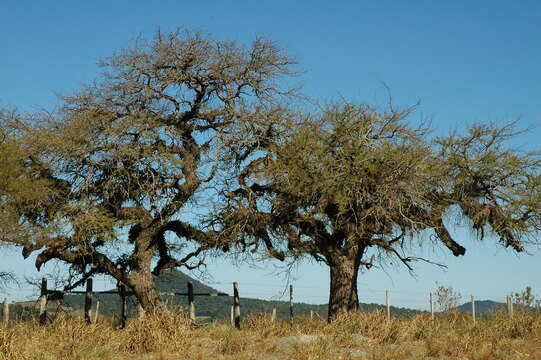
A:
[142,284]
[140,279]
[343,296]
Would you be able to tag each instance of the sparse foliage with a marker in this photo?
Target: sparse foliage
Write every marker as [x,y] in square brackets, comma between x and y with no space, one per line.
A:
[353,184]
[120,161]
[6,278]
[446,298]
[526,298]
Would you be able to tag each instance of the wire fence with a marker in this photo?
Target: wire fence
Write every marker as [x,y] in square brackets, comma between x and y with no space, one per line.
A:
[121,303]
[417,300]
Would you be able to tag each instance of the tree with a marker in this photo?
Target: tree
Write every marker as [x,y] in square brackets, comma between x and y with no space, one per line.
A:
[447,298]
[15,188]
[11,182]
[354,184]
[526,299]
[122,158]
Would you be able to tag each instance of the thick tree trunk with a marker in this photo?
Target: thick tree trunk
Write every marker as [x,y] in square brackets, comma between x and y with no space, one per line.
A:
[140,279]
[343,296]
[143,286]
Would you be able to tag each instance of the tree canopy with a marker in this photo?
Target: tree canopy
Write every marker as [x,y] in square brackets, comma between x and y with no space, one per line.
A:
[121,159]
[354,184]
[105,181]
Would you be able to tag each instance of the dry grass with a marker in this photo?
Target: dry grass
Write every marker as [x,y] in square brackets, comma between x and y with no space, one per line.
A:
[170,336]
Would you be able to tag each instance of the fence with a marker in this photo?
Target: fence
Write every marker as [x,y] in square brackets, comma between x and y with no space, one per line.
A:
[123,293]
[46,294]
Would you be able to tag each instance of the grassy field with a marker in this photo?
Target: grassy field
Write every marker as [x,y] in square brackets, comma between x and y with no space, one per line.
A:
[357,336]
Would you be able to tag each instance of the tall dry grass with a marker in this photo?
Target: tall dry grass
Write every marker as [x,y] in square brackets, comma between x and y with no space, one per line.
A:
[171,336]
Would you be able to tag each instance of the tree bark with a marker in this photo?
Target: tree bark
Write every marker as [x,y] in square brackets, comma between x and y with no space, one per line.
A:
[142,284]
[343,296]
[140,279]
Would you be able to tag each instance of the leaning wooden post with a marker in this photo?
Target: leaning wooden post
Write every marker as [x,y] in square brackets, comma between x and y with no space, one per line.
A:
[191,305]
[96,312]
[473,308]
[431,307]
[236,304]
[141,311]
[43,302]
[88,301]
[123,306]
[6,312]
[290,303]
[388,304]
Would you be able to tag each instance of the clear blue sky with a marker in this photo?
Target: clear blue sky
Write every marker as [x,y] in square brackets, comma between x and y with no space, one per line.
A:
[466,61]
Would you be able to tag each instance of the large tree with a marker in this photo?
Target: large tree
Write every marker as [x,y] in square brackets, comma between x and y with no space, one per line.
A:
[122,158]
[14,188]
[354,184]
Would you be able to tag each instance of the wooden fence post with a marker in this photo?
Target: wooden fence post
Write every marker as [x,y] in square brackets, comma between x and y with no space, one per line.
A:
[141,311]
[96,312]
[43,302]
[236,304]
[123,306]
[6,312]
[166,303]
[291,304]
[311,314]
[88,301]
[510,305]
[388,304]
[273,316]
[431,307]
[473,308]
[191,305]
[232,316]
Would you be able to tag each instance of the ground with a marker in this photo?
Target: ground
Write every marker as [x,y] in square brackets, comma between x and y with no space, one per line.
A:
[168,336]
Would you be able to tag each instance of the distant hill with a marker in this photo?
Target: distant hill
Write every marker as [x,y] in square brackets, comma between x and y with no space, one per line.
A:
[482,307]
[214,308]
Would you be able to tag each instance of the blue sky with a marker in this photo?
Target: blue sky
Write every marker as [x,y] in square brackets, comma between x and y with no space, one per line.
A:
[465,61]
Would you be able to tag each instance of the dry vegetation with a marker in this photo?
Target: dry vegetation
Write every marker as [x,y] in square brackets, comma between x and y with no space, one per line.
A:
[362,335]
